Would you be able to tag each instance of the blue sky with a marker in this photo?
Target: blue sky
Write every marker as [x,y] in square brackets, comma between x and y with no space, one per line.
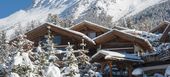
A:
[8,7]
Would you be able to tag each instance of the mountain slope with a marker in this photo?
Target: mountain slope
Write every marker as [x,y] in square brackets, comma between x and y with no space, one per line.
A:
[150,17]
[103,12]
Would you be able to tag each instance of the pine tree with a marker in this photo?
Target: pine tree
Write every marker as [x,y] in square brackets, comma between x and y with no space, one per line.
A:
[86,68]
[17,48]
[70,62]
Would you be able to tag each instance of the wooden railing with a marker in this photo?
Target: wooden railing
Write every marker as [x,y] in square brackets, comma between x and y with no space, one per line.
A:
[60,46]
[124,48]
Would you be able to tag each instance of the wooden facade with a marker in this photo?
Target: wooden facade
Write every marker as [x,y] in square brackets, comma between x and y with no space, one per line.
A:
[160,28]
[166,35]
[119,40]
[60,35]
[163,29]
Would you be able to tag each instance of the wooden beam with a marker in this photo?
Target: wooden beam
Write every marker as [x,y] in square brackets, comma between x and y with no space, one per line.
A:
[117,45]
[164,36]
[139,41]
[110,66]
[160,28]
[124,48]
[104,38]
[102,67]
[129,70]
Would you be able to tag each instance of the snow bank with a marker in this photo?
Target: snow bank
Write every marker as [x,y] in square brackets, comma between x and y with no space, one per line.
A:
[53,71]
[137,71]
[167,71]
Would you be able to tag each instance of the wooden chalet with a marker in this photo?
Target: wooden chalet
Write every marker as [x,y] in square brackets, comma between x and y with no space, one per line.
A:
[166,33]
[118,40]
[159,61]
[123,44]
[160,28]
[61,36]
[90,29]
[119,48]
[163,29]
[120,64]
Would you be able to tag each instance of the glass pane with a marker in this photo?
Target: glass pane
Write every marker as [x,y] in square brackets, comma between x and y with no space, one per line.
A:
[57,40]
[92,34]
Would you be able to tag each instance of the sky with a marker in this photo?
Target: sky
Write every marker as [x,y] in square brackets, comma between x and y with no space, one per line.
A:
[8,7]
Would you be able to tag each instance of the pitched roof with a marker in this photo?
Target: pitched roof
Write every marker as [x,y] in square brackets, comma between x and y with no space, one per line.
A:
[110,55]
[42,30]
[165,35]
[120,28]
[90,25]
[163,28]
[108,36]
[160,28]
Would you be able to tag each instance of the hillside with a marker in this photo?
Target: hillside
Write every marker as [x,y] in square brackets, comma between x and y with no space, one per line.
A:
[103,12]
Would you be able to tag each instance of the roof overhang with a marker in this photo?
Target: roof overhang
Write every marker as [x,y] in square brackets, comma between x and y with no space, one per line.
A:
[111,55]
[160,28]
[108,36]
[42,30]
[90,25]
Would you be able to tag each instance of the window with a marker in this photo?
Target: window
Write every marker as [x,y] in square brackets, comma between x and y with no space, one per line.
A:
[57,40]
[92,34]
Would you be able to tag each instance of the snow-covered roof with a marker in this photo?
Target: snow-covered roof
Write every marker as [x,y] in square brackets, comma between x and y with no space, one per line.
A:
[144,43]
[160,28]
[75,32]
[65,31]
[111,55]
[137,71]
[146,35]
[120,28]
[90,24]
[165,35]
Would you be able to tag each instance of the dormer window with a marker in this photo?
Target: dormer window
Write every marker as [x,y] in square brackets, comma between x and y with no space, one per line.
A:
[92,34]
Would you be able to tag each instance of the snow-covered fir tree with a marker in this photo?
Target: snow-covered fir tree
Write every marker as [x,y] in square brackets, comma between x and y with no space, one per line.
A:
[46,58]
[19,63]
[86,68]
[71,63]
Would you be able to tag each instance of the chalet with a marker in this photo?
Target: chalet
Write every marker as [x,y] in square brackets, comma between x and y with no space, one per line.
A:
[120,50]
[90,29]
[61,36]
[166,35]
[118,40]
[160,28]
[121,64]
[157,62]
[163,29]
